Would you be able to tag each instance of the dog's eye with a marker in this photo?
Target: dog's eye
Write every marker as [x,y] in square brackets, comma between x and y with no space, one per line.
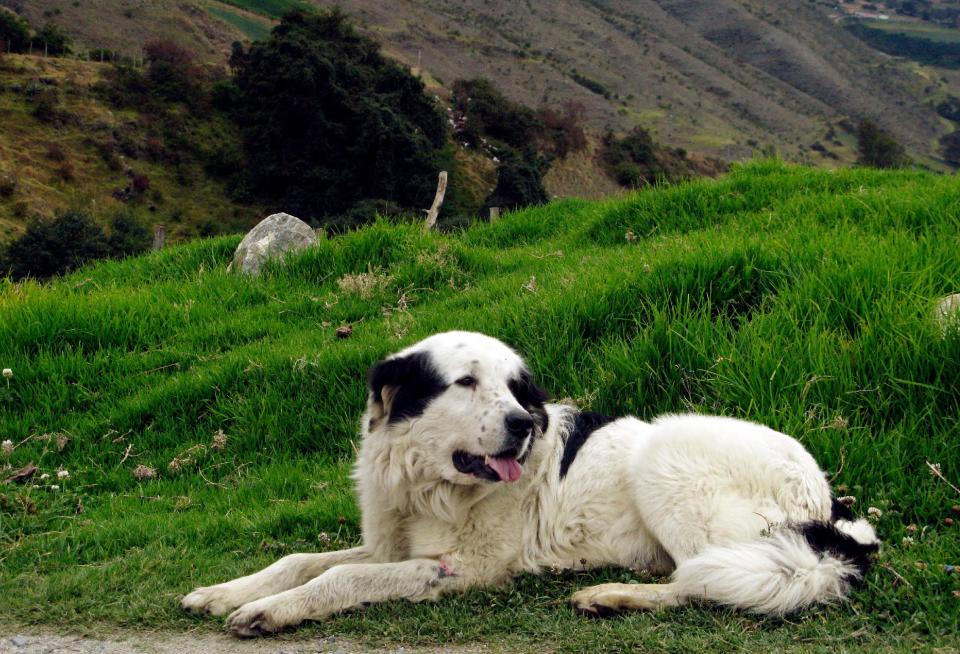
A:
[467,381]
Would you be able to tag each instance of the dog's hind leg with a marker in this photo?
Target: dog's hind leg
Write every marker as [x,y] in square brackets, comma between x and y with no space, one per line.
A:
[607,599]
[289,572]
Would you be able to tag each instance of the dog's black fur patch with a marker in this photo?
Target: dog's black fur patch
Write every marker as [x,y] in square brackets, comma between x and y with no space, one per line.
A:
[840,511]
[417,382]
[584,424]
[531,397]
[825,538]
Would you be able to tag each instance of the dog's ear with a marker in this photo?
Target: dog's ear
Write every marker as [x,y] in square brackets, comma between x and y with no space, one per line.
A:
[401,387]
[531,397]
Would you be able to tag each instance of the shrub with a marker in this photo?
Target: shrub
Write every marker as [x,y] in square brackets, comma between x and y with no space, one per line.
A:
[54,40]
[55,152]
[8,184]
[631,160]
[14,31]
[484,112]
[66,171]
[127,237]
[53,247]
[140,184]
[950,147]
[328,121]
[172,73]
[519,183]
[877,149]
[563,131]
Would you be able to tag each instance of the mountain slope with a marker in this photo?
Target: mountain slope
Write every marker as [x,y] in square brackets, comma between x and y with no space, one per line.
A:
[720,77]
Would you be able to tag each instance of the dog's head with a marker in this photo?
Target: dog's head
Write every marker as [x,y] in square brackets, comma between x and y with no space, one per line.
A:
[462,402]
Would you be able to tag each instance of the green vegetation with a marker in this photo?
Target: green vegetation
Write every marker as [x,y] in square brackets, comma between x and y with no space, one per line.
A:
[923,49]
[798,298]
[328,121]
[271,8]
[253,29]
[877,148]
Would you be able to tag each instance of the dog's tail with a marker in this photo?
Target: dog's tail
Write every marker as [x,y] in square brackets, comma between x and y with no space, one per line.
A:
[800,565]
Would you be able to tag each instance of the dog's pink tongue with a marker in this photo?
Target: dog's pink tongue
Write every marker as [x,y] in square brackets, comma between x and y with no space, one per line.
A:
[508,469]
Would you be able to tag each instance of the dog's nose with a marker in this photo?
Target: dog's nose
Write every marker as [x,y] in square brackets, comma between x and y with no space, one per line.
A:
[519,423]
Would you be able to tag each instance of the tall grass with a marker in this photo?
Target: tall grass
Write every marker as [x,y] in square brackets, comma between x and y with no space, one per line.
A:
[802,299]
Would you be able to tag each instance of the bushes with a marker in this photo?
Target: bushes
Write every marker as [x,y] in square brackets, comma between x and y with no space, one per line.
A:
[53,40]
[14,32]
[877,149]
[71,239]
[52,247]
[327,121]
[172,73]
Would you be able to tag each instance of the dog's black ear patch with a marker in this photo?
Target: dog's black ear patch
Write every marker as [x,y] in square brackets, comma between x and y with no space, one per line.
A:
[531,397]
[415,380]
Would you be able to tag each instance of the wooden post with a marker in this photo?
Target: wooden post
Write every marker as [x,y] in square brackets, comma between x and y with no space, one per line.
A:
[437,201]
[494,214]
[159,236]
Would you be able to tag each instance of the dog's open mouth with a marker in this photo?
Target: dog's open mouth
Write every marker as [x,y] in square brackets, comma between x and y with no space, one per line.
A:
[501,467]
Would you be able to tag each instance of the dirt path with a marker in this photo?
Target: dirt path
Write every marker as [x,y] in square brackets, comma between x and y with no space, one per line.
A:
[34,641]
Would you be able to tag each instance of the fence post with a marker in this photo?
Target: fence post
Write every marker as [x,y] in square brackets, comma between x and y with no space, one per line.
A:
[437,201]
[494,213]
[159,236]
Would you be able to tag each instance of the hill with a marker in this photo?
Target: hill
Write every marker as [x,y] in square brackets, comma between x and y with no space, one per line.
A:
[206,421]
[722,78]
[63,146]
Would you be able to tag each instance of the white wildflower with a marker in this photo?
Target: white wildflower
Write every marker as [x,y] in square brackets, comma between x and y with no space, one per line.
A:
[7,447]
[7,373]
[54,487]
[874,513]
[907,541]
[44,476]
[62,474]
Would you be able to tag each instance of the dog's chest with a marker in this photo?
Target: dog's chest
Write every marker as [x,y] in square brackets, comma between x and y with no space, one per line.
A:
[428,537]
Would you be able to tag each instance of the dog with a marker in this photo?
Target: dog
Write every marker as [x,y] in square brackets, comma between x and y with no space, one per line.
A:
[467,476]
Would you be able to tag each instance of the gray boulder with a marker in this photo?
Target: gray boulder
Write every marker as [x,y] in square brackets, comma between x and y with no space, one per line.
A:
[273,237]
[947,312]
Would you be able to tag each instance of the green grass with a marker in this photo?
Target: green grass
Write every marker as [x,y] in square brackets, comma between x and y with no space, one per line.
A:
[929,31]
[253,29]
[271,8]
[795,297]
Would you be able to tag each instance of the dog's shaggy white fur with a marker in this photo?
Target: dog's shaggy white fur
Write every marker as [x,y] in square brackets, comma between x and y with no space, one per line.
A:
[467,477]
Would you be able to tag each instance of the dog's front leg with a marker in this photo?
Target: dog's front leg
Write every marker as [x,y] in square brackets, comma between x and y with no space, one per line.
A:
[345,587]
[288,572]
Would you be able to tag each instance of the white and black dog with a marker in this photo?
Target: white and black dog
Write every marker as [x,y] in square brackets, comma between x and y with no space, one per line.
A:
[467,477]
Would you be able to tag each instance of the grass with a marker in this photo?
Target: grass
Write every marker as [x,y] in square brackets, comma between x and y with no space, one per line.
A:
[795,297]
[35,151]
[254,28]
[922,30]
[271,8]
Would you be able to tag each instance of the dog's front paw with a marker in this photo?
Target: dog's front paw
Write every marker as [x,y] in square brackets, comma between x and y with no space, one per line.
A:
[256,619]
[211,600]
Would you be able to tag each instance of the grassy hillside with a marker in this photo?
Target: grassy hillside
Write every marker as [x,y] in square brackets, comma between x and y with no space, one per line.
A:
[795,297]
[82,151]
[718,77]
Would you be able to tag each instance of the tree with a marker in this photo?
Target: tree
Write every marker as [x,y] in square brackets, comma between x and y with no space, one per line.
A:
[171,72]
[327,121]
[54,40]
[14,32]
[52,247]
[877,149]
[127,237]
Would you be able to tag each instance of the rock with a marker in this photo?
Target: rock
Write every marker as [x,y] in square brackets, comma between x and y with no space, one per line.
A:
[273,237]
[19,641]
[947,312]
